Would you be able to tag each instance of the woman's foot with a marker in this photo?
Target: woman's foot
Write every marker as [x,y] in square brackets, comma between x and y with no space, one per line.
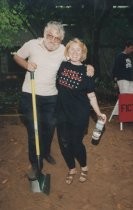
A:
[83,174]
[70,176]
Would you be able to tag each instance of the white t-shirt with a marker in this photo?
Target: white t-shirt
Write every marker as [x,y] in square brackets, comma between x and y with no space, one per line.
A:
[48,63]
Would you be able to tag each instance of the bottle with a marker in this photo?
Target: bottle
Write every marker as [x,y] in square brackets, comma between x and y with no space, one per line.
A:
[98,131]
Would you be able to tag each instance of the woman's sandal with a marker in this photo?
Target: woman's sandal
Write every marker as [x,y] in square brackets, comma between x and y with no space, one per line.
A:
[83,176]
[70,177]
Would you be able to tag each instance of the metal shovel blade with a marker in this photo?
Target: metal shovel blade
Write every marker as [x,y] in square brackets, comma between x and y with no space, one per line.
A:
[41,184]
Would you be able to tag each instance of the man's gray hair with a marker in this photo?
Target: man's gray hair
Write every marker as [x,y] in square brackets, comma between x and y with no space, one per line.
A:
[57,26]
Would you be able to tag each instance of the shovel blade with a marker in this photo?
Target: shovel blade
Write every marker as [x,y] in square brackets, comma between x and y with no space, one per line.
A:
[41,184]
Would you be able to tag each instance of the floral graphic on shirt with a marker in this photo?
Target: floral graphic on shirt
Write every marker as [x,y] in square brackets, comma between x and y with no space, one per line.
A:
[128,63]
[70,78]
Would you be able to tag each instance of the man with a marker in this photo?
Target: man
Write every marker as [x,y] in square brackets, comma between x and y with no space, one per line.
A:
[123,72]
[43,56]
[123,69]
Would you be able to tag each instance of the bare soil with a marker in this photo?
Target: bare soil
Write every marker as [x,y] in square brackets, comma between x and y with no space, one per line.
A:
[110,179]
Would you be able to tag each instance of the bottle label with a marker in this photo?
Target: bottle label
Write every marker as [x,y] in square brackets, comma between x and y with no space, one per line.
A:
[96,135]
[99,125]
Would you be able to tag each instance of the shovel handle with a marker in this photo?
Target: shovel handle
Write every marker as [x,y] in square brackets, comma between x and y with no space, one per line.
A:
[35,114]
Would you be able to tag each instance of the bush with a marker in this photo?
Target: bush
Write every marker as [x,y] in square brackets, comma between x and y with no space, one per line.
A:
[10,92]
[106,90]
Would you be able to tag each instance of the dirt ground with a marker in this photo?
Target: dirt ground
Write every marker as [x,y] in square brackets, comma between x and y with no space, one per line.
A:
[110,178]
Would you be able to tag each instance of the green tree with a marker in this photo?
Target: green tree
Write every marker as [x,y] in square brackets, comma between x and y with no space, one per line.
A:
[96,22]
[11,23]
[37,14]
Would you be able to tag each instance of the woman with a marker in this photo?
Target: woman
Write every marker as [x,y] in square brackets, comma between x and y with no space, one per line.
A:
[75,87]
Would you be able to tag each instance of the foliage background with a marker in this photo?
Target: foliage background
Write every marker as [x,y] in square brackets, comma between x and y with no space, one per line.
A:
[102,25]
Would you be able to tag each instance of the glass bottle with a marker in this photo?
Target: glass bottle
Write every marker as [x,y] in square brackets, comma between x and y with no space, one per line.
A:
[98,131]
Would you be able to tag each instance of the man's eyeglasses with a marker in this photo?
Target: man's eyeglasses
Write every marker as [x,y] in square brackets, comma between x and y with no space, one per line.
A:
[54,38]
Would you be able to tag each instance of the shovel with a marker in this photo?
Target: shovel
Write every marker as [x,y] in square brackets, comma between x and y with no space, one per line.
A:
[42,182]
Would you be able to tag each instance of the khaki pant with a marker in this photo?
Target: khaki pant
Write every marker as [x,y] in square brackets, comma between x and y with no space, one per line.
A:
[125,86]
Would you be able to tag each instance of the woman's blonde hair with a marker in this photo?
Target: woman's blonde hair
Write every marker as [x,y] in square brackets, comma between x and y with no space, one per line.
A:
[81,44]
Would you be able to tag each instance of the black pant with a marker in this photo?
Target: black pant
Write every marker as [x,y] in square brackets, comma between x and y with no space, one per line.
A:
[46,124]
[71,143]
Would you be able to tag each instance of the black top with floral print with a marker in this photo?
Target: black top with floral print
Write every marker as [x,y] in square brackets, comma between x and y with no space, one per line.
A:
[73,85]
